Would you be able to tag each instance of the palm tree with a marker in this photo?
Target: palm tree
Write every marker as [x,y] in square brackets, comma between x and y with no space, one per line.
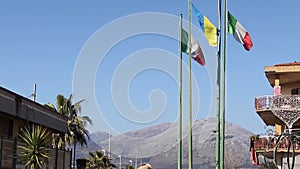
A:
[33,151]
[64,105]
[77,132]
[98,160]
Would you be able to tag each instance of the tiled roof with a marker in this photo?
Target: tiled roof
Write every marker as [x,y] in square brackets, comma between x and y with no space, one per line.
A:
[289,64]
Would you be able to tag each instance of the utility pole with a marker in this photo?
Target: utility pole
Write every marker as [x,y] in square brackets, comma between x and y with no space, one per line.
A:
[34,92]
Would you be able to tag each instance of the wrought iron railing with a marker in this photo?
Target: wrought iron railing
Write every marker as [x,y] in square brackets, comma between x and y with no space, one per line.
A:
[289,103]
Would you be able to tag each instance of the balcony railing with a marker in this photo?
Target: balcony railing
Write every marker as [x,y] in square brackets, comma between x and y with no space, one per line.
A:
[263,102]
[283,102]
[268,144]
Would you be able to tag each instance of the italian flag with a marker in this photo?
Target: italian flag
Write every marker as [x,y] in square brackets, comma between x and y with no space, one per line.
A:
[239,32]
[196,51]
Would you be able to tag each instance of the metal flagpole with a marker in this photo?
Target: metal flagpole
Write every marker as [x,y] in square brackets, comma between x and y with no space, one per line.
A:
[109,151]
[179,166]
[224,83]
[190,88]
[218,112]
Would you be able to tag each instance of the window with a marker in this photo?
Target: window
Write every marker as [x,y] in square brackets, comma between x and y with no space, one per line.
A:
[296,91]
[6,127]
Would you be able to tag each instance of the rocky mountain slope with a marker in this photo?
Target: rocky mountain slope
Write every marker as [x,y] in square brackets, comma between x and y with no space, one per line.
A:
[157,145]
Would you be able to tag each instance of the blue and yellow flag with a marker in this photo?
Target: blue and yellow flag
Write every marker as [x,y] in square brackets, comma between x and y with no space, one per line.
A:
[209,29]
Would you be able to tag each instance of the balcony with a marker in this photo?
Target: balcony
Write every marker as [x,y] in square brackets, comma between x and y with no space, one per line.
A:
[281,109]
[266,146]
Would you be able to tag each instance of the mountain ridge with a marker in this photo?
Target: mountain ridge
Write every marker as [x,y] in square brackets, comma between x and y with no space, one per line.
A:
[158,145]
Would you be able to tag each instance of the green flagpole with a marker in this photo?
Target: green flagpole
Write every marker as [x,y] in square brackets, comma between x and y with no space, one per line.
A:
[218,112]
[190,88]
[224,83]
[179,166]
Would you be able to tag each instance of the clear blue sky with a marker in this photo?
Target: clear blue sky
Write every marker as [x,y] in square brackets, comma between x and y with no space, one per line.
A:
[41,42]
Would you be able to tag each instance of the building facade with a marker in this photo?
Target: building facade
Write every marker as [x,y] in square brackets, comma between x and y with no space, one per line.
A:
[17,111]
[281,111]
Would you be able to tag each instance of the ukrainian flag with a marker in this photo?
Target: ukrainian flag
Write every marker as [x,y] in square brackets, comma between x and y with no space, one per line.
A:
[209,29]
